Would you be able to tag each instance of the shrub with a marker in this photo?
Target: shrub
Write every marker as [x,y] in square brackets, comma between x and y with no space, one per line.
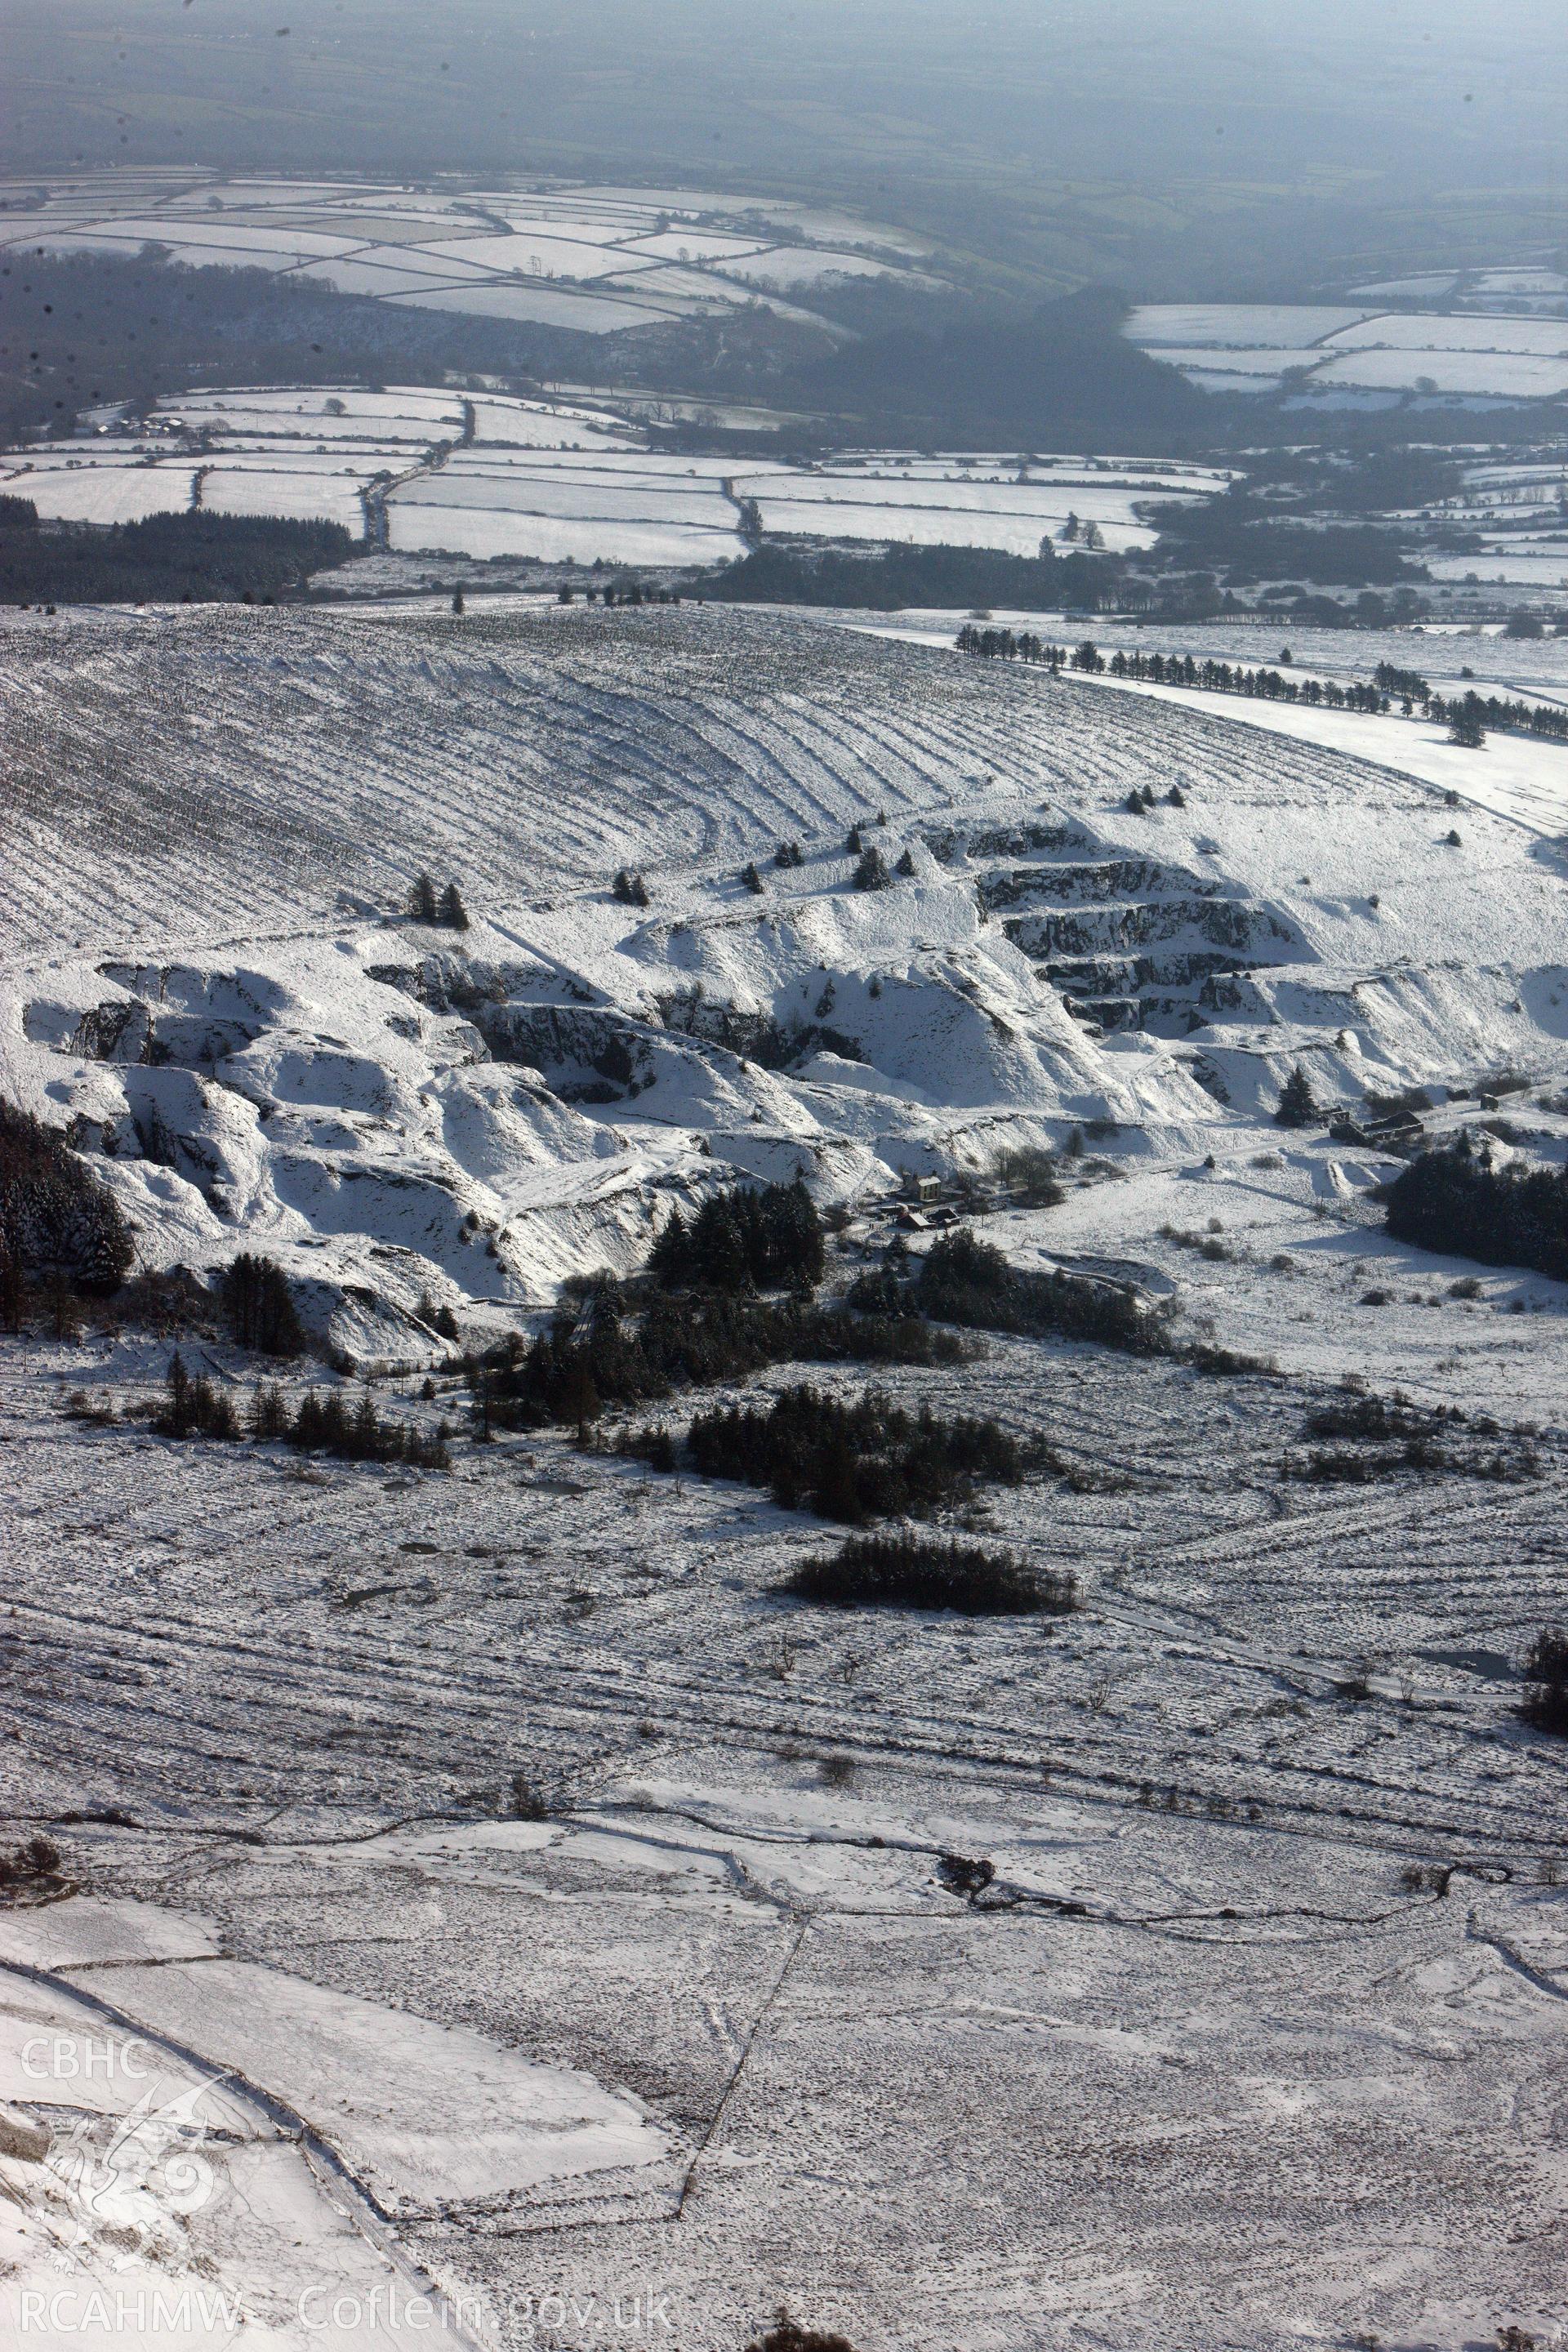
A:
[34,1863]
[1030,1173]
[911,1571]
[1407,1438]
[787,2336]
[56,1218]
[1371,1417]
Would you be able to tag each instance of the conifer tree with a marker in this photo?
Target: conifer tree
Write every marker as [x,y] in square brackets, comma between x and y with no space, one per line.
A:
[1464,726]
[1297,1107]
[422,899]
[752,880]
[453,913]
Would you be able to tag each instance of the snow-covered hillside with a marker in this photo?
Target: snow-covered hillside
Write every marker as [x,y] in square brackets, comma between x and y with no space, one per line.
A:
[217,816]
[511,1904]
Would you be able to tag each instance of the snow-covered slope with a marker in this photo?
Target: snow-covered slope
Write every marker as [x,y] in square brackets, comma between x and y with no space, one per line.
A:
[216,817]
[1276,1951]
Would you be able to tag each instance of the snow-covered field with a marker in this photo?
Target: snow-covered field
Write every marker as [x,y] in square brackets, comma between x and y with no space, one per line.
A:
[1533,286]
[493,477]
[311,452]
[595,259]
[1259,2037]
[1497,376]
[1248,346]
[971,502]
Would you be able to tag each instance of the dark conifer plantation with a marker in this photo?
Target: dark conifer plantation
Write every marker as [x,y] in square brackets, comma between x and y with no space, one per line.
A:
[853,1461]
[1466,725]
[195,1408]
[963,1280]
[260,1309]
[1456,1202]
[900,1570]
[632,1348]
[747,1237]
[57,1219]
